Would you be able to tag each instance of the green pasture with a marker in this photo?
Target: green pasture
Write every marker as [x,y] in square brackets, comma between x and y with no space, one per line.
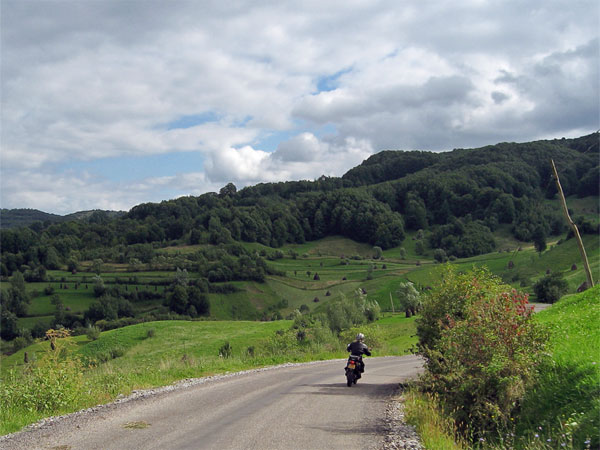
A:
[202,340]
[27,323]
[529,265]
[77,293]
[332,246]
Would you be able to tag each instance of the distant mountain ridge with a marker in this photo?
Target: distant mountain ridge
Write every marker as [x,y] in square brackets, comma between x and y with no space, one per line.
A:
[20,217]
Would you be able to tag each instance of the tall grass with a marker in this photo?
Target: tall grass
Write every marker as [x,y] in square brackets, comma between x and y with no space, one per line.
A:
[437,431]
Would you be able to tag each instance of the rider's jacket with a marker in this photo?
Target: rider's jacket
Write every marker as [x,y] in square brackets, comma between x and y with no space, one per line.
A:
[358,348]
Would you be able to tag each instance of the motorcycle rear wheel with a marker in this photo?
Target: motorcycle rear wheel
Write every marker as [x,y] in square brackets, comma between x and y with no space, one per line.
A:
[350,378]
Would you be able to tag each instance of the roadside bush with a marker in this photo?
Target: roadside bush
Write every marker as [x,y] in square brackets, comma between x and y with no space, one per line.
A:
[48,386]
[485,357]
[451,298]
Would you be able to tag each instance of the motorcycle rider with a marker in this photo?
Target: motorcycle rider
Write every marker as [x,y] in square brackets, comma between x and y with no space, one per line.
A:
[358,348]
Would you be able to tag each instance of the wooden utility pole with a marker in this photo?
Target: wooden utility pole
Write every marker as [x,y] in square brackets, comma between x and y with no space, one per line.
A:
[586,264]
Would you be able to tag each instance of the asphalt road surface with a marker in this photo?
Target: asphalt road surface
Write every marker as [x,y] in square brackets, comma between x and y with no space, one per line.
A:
[298,407]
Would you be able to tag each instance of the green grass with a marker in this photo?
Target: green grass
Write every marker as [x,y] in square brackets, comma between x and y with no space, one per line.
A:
[436,431]
[28,323]
[567,390]
[333,246]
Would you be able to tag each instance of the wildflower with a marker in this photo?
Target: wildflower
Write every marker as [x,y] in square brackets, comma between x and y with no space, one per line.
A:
[537,435]
[548,440]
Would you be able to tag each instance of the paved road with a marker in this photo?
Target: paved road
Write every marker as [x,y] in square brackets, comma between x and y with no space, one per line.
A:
[298,407]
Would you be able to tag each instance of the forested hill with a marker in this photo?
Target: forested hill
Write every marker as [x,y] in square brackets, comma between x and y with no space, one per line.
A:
[457,198]
[22,217]
[12,218]
[392,165]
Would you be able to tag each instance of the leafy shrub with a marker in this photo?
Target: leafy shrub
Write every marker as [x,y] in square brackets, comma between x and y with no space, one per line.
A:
[440,255]
[451,299]
[20,342]
[226,350]
[485,357]
[49,290]
[92,332]
[551,288]
[410,299]
[109,354]
[345,312]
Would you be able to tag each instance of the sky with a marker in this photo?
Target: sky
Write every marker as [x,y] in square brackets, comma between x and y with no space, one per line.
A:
[109,104]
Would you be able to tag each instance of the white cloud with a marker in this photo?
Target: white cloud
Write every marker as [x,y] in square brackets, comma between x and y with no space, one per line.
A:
[302,148]
[83,81]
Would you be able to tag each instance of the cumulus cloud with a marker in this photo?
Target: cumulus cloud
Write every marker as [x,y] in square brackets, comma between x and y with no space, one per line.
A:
[86,81]
[302,148]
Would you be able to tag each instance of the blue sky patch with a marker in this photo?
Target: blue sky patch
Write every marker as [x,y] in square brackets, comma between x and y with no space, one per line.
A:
[193,120]
[331,82]
[130,168]
[269,141]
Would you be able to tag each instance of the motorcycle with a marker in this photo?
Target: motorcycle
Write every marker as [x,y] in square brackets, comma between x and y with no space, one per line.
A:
[353,370]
